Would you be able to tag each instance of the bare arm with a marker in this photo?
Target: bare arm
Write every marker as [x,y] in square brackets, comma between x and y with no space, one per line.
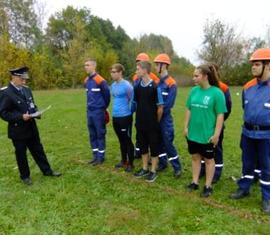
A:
[187,118]
[159,112]
[219,124]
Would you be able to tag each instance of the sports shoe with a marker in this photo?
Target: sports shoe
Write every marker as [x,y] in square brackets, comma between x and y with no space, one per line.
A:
[191,187]
[207,191]
[141,173]
[151,177]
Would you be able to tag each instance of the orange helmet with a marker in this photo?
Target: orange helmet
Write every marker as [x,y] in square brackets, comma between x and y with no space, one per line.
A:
[163,58]
[142,57]
[260,54]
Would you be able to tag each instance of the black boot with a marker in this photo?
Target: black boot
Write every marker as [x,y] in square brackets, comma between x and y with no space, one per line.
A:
[266,206]
[240,193]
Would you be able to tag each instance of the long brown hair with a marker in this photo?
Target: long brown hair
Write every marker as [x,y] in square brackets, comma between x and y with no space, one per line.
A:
[211,72]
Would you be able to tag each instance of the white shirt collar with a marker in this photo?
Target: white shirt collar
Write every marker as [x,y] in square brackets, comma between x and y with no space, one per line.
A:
[18,88]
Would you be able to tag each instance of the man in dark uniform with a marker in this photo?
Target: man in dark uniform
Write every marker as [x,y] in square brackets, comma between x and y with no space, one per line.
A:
[16,106]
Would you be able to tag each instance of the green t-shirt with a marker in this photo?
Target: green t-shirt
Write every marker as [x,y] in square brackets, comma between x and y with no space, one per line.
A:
[204,105]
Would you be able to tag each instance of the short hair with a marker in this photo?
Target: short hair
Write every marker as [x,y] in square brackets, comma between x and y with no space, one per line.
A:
[145,65]
[118,67]
[91,60]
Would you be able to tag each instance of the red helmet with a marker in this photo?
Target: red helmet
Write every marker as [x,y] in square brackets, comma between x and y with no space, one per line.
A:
[260,54]
[163,58]
[142,57]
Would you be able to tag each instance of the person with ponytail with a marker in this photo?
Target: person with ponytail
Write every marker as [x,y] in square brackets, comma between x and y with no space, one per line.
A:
[203,124]
[219,149]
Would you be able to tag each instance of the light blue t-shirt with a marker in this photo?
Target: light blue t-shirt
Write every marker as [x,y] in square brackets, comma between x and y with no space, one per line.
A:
[122,93]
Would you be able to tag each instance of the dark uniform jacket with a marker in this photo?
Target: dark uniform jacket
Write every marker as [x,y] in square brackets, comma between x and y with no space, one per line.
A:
[13,104]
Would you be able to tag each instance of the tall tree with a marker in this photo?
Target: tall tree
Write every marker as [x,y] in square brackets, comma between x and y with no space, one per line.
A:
[3,19]
[22,22]
[74,54]
[62,26]
[221,44]
[157,43]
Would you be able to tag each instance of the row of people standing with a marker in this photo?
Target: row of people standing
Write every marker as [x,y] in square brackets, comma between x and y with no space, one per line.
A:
[152,99]
[163,88]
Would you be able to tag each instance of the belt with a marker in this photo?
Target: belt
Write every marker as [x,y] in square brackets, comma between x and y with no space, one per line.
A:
[256,127]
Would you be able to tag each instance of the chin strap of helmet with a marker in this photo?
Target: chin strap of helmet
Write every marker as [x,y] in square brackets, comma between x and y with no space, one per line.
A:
[160,68]
[260,76]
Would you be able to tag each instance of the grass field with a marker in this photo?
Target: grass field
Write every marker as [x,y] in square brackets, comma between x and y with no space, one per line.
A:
[102,200]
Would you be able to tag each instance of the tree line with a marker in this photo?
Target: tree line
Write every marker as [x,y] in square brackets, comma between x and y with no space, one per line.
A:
[55,53]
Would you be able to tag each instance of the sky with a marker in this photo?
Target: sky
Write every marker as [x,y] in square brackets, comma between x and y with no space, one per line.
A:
[181,21]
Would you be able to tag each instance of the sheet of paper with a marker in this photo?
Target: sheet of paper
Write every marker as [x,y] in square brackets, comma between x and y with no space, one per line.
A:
[38,113]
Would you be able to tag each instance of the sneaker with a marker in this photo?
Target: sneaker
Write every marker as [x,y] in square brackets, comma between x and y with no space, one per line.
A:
[207,191]
[151,177]
[141,173]
[191,187]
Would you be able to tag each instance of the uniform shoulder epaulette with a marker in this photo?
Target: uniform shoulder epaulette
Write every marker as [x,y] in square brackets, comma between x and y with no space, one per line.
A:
[170,81]
[155,78]
[3,88]
[98,79]
[250,83]
[224,87]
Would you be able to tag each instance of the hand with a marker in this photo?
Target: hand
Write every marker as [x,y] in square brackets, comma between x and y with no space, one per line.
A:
[26,117]
[214,140]
[185,131]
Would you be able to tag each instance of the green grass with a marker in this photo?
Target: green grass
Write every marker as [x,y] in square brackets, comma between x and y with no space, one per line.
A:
[102,200]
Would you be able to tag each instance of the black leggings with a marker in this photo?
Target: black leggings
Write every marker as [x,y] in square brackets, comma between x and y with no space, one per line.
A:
[123,129]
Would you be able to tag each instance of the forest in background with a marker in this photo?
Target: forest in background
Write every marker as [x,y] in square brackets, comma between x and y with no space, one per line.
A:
[55,50]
